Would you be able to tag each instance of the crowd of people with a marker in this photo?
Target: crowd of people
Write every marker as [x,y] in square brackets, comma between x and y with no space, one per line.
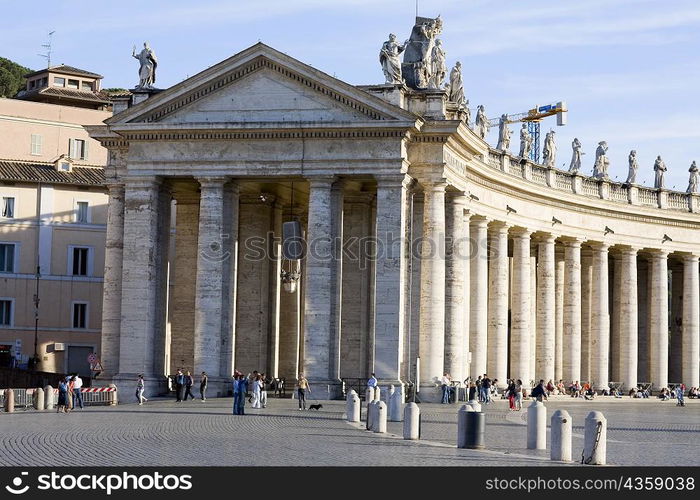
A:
[70,394]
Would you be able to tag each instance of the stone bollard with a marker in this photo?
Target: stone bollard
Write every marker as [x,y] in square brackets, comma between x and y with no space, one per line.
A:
[380,417]
[48,397]
[462,425]
[594,439]
[370,416]
[537,426]
[352,407]
[377,394]
[411,421]
[369,396]
[561,436]
[114,398]
[476,406]
[396,406]
[38,399]
[9,400]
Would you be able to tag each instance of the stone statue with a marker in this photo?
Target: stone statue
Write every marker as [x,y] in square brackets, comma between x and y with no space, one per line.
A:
[549,154]
[417,65]
[147,71]
[660,169]
[525,142]
[600,167]
[694,181]
[390,60]
[575,165]
[468,112]
[481,124]
[439,67]
[456,88]
[503,133]
[634,166]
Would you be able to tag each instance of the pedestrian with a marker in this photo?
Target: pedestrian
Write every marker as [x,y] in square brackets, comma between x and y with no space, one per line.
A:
[203,386]
[189,382]
[679,395]
[77,391]
[237,394]
[445,383]
[478,388]
[486,389]
[472,390]
[62,404]
[263,391]
[257,387]
[139,389]
[539,392]
[518,395]
[243,390]
[302,387]
[71,386]
[179,384]
[510,392]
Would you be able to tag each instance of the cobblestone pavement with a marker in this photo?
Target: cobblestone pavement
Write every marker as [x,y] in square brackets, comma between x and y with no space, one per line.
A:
[165,433]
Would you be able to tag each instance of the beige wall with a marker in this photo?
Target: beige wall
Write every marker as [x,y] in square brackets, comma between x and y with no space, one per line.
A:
[56,124]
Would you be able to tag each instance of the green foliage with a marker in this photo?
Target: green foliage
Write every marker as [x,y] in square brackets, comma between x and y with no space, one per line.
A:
[11,77]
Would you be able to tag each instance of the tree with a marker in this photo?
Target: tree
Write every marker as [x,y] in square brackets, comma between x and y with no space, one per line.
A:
[11,77]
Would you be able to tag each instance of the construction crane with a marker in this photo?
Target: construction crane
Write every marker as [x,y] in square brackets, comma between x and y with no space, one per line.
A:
[533,118]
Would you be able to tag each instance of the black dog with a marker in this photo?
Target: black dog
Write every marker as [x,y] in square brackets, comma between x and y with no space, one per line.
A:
[315,407]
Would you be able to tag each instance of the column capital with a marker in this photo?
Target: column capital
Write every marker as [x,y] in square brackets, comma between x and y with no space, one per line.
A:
[479,221]
[691,258]
[457,197]
[114,186]
[387,181]
[599,246]
[142,181]
[629,250]
[572,242]
[545,238]
[520,232]
[321,181]
[432,185]
[658,253]
[500,226]
[211,181]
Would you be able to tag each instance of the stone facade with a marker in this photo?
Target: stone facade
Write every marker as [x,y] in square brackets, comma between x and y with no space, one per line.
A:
[422,243]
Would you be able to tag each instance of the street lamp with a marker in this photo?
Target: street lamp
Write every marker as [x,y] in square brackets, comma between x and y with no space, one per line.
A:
[35,359]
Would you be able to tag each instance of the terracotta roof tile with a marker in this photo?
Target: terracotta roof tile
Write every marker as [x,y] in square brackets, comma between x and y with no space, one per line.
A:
[62,68]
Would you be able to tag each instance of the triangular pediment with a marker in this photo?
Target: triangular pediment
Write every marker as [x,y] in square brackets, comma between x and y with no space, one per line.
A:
[261,85]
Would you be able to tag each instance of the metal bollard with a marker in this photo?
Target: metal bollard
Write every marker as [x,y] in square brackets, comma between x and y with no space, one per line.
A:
[38,399]
[594,439]
[463,424]
[476,423]
[561,436]
[353,407]
[475,405]
[9,400]
[411,418]
[380,417]
[48,397]
[396,405]
[537,426]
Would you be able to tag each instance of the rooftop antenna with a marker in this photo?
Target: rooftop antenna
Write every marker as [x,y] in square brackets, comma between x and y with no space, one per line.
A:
[47,46]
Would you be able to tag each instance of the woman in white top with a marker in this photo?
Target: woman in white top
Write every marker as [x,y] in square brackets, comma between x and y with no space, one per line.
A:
[257,386]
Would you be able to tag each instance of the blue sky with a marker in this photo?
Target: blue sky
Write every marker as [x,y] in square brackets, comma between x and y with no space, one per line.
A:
[628,69]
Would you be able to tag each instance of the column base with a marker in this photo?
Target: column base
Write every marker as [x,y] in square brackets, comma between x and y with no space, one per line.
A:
[385,384]
[429,394]
[324,389]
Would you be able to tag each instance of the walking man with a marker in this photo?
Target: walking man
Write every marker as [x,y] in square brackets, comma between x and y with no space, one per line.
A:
[302,387]
[203,386]
[189,381]
[179,384]
[139,389]
[77,392]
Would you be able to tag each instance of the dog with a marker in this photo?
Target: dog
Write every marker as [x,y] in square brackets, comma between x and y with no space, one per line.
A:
[315,407]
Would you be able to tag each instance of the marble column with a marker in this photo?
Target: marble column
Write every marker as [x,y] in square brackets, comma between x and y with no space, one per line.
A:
[390,275]
[586,295]
[559,314]
[275,291]
[675,346]
[432,284]
[691,322]
[600,318]
[142,305]
[209,295]
[498,304]
[456,284]
[337,209]
[571,365]
[318,288]
[533,311]
[112,289]
[628,318]
[659,319]
[643,275]
[520,308]
[478,311]
[229,237]
[546,309]
[615,289]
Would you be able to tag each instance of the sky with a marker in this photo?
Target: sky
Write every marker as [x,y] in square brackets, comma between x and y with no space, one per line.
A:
[629,70]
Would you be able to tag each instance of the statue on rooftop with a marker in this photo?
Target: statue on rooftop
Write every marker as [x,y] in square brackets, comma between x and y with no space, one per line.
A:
[694,181]
[481,124]
[439,67]
[417,59]
[456,88]
[634,166]
[147,70]
[503,133]
[525,142]
[549,153]
[660,169]
[600,167]
[390,60]
[575,165]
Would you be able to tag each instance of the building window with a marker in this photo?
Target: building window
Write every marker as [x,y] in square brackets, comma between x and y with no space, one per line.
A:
[73,84]
[87,86]
[81,212]
[65,166]
[8,207]
[80,261]
[36,144]
[5,312]
[44,82]
[7,257]
[80,315]
[77,149]
[59,82]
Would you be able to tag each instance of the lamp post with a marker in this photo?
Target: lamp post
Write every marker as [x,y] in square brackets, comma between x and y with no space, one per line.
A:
[35,359]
